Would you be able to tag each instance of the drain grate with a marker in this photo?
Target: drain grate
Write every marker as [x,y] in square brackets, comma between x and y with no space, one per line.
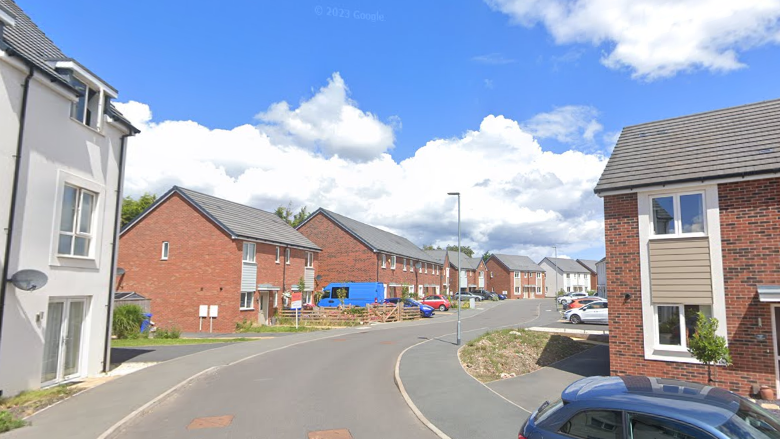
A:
[211,422]
[330,434]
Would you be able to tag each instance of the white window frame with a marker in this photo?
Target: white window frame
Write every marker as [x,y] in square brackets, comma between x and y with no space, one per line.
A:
[165,249]
[426,268]
[309,260]
[384,261]
[249,253]
[419,270]
[517,275]
[392,262]
[242,304]
[278,254]
[404,264]
[538,275]
[75,232]
[287,255]
[678,233]
[683,347]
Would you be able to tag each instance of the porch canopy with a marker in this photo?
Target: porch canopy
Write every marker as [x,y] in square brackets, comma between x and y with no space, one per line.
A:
[769,293]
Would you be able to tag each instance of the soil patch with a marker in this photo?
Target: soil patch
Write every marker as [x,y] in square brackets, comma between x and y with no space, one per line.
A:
[512,352]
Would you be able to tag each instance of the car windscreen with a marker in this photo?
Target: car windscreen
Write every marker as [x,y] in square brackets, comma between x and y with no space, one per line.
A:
[751,422]
[547,409]
[326,294]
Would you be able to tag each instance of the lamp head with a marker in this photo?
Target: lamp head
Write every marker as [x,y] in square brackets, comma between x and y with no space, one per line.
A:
[453,193]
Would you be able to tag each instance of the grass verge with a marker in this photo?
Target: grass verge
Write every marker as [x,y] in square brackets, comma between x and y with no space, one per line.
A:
[128,343]
[281,328]
[512,352]
[13,409]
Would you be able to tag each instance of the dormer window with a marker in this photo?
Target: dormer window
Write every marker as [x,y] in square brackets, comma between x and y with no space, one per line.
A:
[87,109]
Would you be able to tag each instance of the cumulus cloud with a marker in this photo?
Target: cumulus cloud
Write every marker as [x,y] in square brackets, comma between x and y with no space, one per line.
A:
[655,38]
[516,197]
[571,124]
[329,122]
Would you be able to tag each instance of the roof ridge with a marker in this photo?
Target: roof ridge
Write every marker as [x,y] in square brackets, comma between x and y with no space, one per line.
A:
[228,201]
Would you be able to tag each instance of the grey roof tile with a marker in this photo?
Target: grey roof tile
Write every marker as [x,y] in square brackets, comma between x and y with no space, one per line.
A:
[589,264]
[518,263]
[731,142]
[247,222]
[567,265]
[378,239]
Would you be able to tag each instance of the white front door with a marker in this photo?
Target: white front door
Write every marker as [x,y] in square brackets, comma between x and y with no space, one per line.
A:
[263,304]
[63,334]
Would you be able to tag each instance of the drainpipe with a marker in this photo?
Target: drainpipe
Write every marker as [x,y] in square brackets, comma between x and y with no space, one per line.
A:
[14,193]
[115,251]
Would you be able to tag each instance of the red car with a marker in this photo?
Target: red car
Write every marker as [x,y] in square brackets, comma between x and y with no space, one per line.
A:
[437,302]
[579,303]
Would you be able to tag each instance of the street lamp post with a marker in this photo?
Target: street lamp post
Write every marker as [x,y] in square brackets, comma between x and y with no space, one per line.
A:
[459,303]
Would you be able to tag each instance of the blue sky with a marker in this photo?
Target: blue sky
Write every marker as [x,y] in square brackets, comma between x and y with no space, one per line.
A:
[424,71]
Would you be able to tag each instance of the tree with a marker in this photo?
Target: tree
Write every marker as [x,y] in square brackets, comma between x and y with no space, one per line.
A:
[294,220]
[486,256]
[465,249]
[430,247]
[706,346]
[131,208]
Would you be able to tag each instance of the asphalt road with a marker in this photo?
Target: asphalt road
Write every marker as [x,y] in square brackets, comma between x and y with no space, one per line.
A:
[329,384]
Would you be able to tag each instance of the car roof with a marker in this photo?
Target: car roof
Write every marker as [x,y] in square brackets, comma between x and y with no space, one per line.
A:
[664,397]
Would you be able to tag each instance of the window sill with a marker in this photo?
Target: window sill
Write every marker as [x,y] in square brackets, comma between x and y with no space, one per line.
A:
[246,309]
[673,236]
[82,124]
[672,355]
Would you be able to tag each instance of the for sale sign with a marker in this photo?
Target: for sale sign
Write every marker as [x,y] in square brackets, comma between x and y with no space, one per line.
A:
[296,301]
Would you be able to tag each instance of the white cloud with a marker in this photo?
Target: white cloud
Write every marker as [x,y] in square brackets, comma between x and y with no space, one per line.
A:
[330,122]
[516,197]
[656,38]
[493,59]
[572,124]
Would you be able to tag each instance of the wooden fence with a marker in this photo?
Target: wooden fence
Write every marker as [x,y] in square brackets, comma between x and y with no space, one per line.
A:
[350,315]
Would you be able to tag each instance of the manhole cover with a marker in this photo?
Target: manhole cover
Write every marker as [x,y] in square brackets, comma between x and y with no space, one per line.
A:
[212,422]
[330,434]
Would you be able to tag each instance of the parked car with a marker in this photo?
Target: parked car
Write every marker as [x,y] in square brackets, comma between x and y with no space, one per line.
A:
[486,295]
[579,303]
[437,302]
[465,296]
[638,407]
[501,296]
[425,310]
[355,293]
[594,312]
[571,296]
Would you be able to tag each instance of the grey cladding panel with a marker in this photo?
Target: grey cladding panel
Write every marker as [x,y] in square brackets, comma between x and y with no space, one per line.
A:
[680,270]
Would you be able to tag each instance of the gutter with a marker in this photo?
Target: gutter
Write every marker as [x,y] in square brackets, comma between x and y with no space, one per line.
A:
[605,192]
[115,251]
[14,193]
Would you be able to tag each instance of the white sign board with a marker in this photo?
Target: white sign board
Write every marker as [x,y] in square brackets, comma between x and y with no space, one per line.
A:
[296,301]
[213,310]
[203,311]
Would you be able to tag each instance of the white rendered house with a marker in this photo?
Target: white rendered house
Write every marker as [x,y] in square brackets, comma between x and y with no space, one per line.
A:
[62,147]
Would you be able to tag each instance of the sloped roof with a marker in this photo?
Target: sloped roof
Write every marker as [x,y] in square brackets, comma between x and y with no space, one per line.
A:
[377,239]
[732,142]
[518,262]
[567,265]
[589,264]
[437,255]
[238,220]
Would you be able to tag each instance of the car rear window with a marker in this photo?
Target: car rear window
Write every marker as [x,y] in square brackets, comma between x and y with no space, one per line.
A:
[751,422]
[547,409]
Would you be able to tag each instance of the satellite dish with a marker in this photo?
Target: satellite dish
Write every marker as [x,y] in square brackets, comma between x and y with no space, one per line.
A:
[120,271]
[29,280]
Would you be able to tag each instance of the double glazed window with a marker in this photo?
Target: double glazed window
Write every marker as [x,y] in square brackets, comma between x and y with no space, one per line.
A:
[76,221]
[87,108]
[392,262]
[287,256]
[246,300]
[249,252]
[678,214]
[309,259]
[165,248]
[677,323]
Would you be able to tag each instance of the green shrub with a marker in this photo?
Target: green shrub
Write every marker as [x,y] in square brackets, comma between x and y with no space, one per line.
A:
[244,325]
[9,422]
[173,332]
[127,321]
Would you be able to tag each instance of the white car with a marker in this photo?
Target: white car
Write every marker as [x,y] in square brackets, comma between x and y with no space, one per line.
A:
[596,312]
[571,296]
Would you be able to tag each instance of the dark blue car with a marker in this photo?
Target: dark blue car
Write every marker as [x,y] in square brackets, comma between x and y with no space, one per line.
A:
[425,310]
[638,407]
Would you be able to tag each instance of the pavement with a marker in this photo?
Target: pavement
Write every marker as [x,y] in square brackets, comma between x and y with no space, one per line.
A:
[342,378]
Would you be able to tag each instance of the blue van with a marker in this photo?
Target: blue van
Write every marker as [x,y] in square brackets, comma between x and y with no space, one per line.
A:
[355,293]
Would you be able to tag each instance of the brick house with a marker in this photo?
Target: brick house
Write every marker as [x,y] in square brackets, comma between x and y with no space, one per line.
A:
[516,276]
[191,249]
[470,277]
[565,274]
[356,252]
[590,265]
[692,223]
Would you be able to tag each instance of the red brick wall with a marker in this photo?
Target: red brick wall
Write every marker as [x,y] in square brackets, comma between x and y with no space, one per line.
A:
[345,259]
[503,279]
[203,268]
[750,236]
